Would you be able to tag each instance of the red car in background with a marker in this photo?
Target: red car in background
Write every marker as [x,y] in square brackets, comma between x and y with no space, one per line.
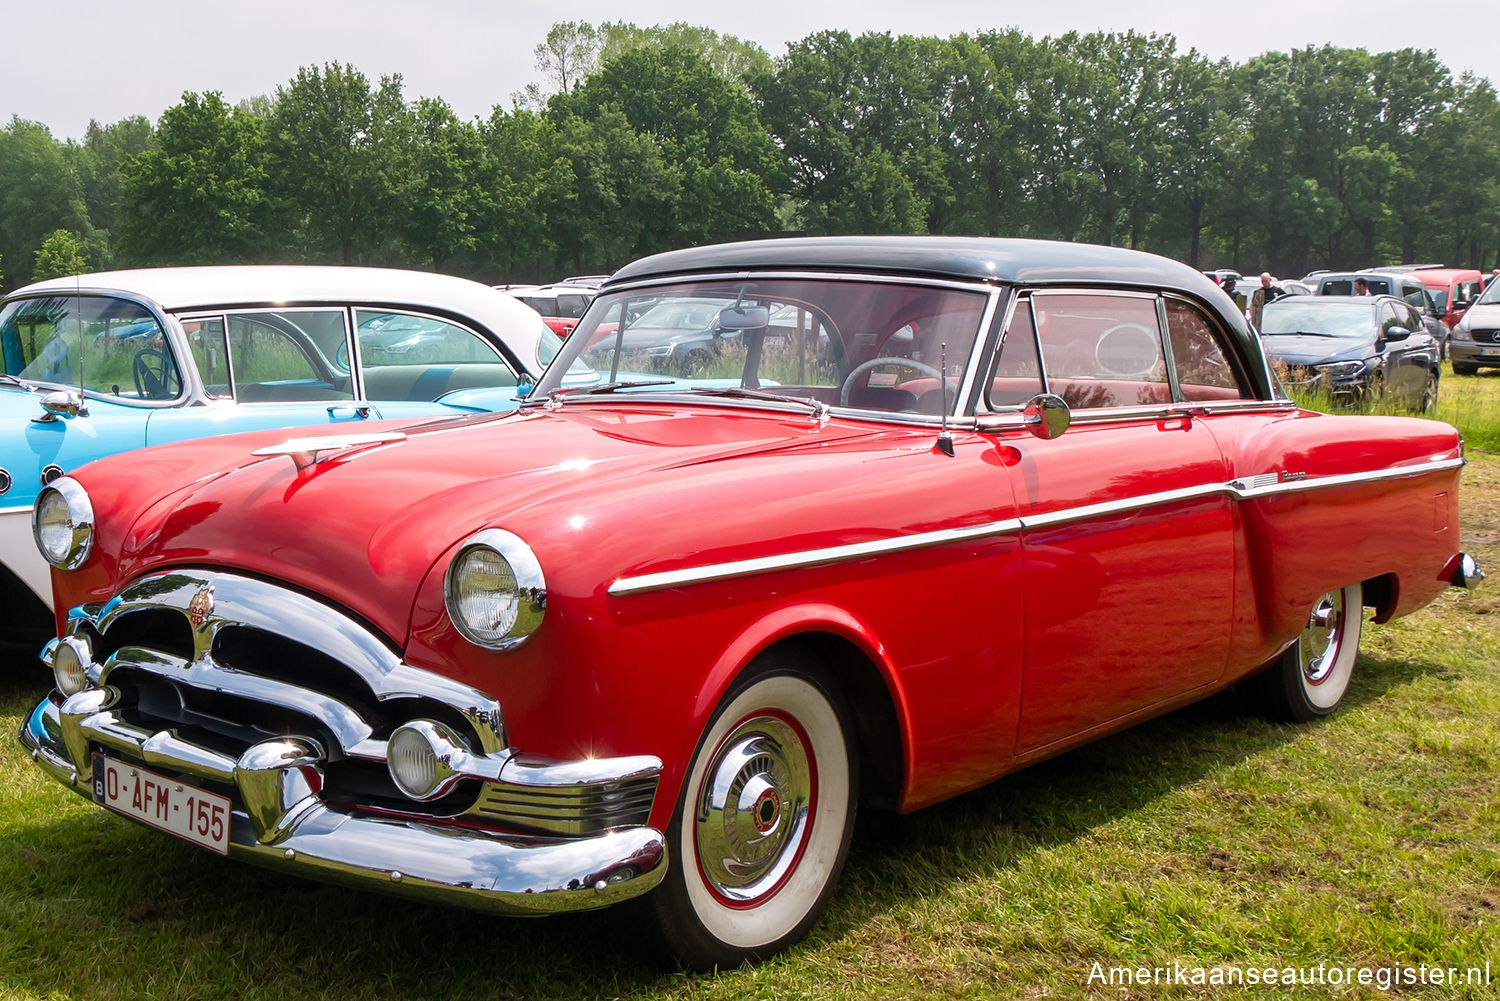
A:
[561,304]
[1453,289]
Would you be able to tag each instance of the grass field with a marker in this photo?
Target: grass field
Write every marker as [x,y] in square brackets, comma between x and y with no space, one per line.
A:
[1207,838]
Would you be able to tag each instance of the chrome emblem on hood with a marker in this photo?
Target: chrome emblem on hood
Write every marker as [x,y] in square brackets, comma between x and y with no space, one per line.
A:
[202,606]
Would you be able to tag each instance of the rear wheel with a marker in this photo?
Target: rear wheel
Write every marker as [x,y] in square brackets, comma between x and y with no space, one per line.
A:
[1312,675]
[763,824]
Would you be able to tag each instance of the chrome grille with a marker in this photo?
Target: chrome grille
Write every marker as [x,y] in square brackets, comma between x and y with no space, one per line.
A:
[581,810]
[201,666]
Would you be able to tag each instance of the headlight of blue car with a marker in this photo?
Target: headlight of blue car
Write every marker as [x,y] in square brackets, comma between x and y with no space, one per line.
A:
[62,523]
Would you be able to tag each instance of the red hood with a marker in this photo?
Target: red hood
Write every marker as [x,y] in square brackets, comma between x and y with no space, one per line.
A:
[364,526]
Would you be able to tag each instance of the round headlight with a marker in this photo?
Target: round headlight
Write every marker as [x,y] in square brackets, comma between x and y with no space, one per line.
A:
[63,523]
[422,756]
[70,659]
[494,590]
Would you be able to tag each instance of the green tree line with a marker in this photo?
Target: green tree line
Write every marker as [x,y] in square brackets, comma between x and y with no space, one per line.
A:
[637,140]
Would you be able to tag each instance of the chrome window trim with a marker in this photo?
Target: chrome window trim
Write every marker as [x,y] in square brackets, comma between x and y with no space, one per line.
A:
[1240,489]
[784,275]
[960,406]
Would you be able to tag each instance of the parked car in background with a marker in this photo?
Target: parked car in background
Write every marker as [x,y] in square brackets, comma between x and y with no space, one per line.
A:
[1400,284]
[1357,349]
[1453,290]
[975,503]
[103,363]
[560,305]
[1475,341]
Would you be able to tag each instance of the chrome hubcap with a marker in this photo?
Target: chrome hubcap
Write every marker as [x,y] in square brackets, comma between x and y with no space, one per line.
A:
[1319,644]
[751,821]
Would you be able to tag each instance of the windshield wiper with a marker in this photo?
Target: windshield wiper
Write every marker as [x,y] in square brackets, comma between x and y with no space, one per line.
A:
[10,380]
[610,387]
[818,407]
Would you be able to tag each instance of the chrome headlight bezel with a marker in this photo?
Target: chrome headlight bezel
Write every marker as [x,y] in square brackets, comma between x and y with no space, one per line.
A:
[71,548]
[528,596]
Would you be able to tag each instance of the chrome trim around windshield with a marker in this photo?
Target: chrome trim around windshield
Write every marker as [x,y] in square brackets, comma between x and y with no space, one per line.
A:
[1242,489]
[757,274]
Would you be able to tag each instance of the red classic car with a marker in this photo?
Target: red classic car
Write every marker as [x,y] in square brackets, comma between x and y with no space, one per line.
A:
[929,511]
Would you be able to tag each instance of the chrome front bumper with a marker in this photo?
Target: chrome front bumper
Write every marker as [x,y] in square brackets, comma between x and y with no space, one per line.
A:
[281,703]
[281,823]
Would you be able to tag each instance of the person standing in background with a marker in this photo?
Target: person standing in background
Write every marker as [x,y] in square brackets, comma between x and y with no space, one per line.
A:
[1258,299]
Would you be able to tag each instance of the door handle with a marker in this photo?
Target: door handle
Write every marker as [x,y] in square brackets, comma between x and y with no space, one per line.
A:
[360,410]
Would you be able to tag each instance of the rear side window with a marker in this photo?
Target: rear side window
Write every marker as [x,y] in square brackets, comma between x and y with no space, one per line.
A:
[1207,369]
[415,357]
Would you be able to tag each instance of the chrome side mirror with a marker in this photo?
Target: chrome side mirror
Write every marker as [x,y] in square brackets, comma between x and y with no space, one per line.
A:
[1047,416]
[62,403]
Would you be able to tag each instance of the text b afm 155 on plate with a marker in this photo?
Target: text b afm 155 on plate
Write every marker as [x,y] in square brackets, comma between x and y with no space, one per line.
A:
[191,813]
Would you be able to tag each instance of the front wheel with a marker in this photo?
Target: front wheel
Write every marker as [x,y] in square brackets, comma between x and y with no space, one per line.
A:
[1461,369]
[1312,675]
[763,824]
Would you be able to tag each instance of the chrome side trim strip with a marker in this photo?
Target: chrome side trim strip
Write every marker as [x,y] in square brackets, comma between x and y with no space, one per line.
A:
[1243,489]
[809,558]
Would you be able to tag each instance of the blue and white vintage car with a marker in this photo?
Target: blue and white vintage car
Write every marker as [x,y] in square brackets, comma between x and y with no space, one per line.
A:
[102,363]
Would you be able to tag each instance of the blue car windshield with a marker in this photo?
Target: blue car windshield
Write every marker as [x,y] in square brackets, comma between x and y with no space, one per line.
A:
[93,343]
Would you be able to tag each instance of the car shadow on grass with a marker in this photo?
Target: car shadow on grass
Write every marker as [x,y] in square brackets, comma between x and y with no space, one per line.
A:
[94,906]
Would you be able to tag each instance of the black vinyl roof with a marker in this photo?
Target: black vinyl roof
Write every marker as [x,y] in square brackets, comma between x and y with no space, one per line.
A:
[1025,262]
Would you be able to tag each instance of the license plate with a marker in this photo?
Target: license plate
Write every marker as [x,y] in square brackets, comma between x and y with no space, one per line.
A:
[166,804]
[1489,352]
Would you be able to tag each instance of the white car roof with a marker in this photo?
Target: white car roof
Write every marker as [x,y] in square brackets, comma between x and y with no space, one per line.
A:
[179,290]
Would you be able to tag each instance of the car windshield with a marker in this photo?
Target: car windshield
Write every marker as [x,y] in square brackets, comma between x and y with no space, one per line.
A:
[1330,318]
[1491,294]
[93,343]
[863,344]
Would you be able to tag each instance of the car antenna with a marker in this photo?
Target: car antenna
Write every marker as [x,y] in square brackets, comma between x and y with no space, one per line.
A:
[945,440]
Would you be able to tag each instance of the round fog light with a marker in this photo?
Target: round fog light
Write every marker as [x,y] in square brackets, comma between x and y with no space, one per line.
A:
[70,666]
[422,757]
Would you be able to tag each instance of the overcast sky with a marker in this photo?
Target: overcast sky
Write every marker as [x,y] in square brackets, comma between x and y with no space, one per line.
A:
[67,61]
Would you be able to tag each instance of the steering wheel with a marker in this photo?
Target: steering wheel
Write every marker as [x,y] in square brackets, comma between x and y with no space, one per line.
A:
[864,367]
[155,376]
